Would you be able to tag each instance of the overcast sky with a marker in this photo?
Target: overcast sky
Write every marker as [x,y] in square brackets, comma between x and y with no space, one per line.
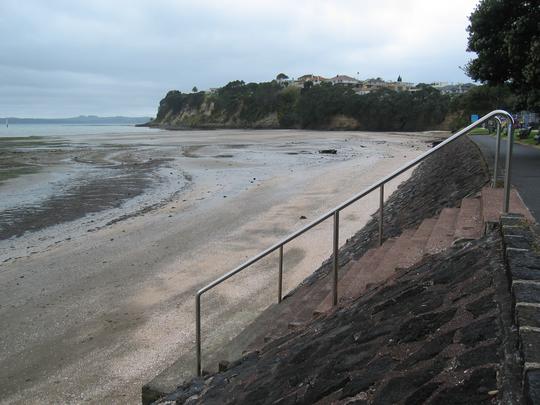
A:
[62,58]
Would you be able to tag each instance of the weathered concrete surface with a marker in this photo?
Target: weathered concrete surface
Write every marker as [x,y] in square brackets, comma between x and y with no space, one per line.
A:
[437,333]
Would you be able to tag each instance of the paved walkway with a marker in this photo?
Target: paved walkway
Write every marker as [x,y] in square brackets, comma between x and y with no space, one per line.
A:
[525,169]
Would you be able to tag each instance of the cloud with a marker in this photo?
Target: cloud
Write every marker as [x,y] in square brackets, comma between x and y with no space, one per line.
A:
[120,57]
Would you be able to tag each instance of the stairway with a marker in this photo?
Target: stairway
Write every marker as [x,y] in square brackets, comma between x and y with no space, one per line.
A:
[433,235]
[274,325]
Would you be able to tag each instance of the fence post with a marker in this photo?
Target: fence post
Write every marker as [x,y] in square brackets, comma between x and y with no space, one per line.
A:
[510,140]
[497,152]
[381,214]
[336,248]
[198,332]
[280,277]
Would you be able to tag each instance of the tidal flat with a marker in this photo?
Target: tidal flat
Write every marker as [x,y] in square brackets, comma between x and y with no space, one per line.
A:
[105,240]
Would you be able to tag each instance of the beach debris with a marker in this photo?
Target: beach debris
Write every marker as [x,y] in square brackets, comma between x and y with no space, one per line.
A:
[303,217]
[328,151]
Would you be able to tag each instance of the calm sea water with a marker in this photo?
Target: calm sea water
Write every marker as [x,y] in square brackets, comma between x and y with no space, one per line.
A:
[64,130]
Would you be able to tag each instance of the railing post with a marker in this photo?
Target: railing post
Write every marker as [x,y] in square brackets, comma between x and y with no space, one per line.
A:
[336,248]
[381,214]
[280,277]
[198,332]
[510,140]
[497,152]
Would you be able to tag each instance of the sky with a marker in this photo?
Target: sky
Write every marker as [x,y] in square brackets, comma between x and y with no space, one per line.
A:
[61,58]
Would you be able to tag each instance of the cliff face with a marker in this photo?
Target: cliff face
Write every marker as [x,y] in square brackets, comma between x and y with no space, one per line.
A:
[271,105]
[207,115]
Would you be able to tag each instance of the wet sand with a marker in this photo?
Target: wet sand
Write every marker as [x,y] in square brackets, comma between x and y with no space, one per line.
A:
[93,308]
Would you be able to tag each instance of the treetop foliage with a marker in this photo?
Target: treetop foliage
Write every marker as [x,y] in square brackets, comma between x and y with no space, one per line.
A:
[315,106]
[505,35]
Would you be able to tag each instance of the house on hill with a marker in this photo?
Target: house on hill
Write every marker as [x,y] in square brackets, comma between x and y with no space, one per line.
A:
[344,80]
[452,88]
[316,80]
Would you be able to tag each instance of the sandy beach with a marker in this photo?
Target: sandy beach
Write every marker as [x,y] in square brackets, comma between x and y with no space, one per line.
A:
[105,239]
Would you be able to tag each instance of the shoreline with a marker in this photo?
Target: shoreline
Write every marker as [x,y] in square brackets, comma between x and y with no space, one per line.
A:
[221,126]
[118,301]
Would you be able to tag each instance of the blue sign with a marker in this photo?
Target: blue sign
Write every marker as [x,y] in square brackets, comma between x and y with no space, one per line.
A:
[474,118]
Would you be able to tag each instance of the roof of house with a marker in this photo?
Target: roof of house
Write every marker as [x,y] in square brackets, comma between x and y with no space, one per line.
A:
[312,78]
[343,78]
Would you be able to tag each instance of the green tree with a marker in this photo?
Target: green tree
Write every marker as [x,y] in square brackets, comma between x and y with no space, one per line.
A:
[479,100]
[287,107]
[308,84]
[194,89]
[244,105]
[282,76]
[505,34]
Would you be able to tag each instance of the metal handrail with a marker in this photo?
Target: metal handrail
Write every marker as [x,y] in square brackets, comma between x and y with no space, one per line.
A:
[335,213]
[497,150]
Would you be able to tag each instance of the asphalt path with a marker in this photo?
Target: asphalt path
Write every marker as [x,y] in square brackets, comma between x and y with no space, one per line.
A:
[525,174]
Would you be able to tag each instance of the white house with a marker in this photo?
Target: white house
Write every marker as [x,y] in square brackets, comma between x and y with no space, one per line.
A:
[316,80]
[345,80]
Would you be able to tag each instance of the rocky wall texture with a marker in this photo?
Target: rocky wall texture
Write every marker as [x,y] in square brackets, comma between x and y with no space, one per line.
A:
[437,333]
[523,261]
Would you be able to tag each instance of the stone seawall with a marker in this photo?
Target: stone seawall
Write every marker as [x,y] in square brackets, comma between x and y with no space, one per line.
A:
[437,333]
[521,248]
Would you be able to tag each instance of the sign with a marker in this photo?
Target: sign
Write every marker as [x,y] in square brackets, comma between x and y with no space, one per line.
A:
[474,118]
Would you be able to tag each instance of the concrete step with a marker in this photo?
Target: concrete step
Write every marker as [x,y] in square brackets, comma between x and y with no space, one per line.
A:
[390,261]
[294,310]
[492,204]
[414,249]
[360,275]
[469,223]
[364,262]
[442,235]
[425,229]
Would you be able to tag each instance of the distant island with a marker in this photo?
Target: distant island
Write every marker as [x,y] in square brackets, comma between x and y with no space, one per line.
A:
[340,103]
[80,120]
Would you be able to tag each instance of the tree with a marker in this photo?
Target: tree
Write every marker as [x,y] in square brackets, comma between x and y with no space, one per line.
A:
[282,76]
[399,79]
[194,89]
[308,84]
[505,34]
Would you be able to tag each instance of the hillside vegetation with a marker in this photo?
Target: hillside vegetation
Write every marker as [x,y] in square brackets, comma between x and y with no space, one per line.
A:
[326,106]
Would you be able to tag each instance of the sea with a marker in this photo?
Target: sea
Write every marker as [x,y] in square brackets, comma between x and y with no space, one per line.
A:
[68,130]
